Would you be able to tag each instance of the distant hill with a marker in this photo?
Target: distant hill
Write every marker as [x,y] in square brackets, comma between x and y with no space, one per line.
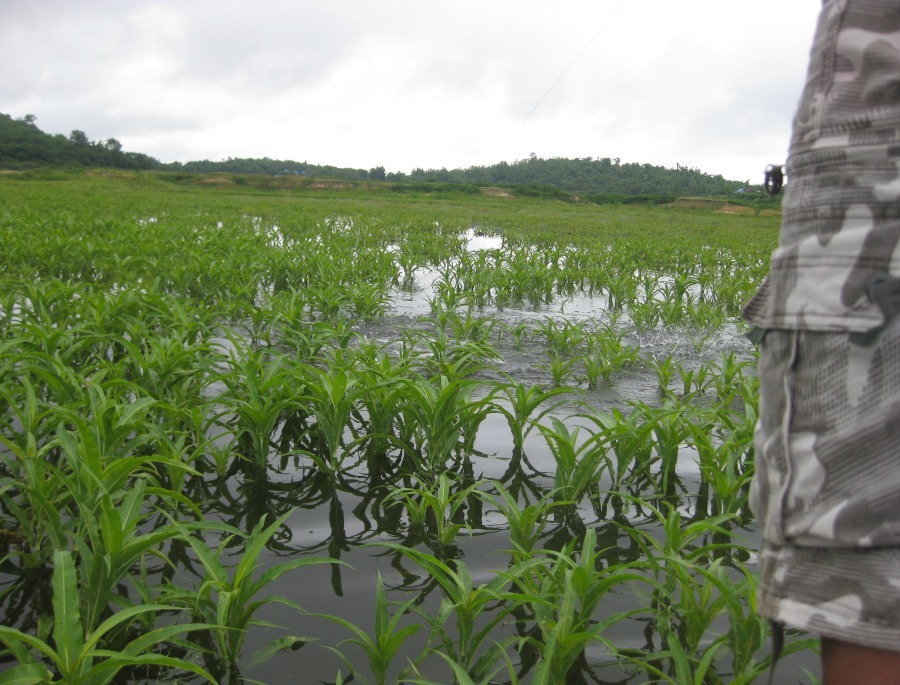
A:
[590,176]
[23,145]
[584,176]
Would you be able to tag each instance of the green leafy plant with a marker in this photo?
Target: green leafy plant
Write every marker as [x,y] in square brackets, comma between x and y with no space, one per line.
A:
[563,594]
[526,522]
[469,646]
[77,652]
[578,463]
[441,418]
[435,509]
[524,407]
[260,390]
[331,397]
[387,639]
[227,599]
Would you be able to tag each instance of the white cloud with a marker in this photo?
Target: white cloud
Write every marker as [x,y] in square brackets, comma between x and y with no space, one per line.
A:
[410,84]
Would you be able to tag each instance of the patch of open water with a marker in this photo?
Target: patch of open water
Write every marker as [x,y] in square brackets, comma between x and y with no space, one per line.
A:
[341,523]
[483,544]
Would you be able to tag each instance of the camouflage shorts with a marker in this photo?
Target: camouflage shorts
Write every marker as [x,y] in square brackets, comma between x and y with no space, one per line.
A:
[827,484]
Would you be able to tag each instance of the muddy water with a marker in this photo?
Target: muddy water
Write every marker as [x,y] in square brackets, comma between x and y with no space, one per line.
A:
[342,523]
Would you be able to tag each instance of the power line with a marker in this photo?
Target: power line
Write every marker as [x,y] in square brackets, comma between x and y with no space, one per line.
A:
[572,63]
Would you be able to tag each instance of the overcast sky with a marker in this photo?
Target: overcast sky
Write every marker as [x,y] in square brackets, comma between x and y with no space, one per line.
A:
[710,84]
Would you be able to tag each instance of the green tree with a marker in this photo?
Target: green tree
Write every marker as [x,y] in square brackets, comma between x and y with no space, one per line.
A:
[79,138]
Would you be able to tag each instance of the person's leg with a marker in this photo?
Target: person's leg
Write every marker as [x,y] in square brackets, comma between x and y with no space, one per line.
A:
[844,663]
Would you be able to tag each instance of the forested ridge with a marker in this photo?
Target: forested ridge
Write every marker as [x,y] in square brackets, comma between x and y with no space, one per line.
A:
[23,145]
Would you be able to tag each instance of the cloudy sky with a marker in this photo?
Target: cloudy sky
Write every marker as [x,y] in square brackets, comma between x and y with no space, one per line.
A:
[710,84]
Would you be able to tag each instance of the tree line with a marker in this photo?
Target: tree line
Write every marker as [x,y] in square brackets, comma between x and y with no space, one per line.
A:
[24,145]
[588,175]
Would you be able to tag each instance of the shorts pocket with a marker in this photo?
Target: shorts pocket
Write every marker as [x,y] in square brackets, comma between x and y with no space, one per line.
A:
[828,440]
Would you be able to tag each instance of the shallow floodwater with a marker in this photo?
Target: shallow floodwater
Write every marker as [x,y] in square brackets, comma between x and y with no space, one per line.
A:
[342,523]
[349,521]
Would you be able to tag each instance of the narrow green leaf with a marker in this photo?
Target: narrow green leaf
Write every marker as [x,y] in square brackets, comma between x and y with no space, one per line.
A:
[113,662]
[15,638]
[266,652]
[25,674]
[111,528]
[68,634]
[121,617]
[155,637]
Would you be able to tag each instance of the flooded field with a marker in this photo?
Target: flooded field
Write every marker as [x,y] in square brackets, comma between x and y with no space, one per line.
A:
[349,437]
